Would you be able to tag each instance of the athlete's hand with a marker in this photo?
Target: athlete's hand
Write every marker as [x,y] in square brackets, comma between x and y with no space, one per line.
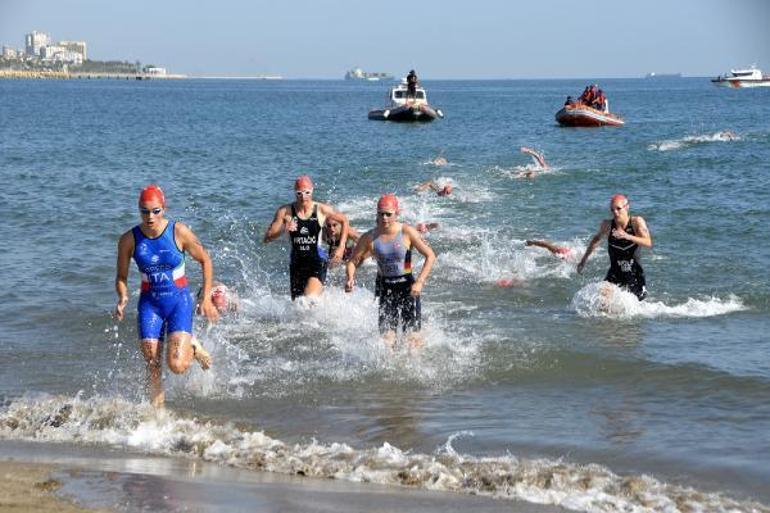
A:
[619,233]
[209,310]
[289,224]
[349,285]
[120,307]
[416,288]
[337,256]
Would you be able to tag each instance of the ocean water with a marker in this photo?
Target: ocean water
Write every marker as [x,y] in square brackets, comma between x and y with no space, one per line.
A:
[535,392]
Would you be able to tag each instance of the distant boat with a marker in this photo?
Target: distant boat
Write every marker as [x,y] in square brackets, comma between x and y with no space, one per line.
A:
[663,75]
[374,76]
[740,78]
[406,108]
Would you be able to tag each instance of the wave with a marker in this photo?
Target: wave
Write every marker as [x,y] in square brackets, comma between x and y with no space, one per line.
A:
[591,488]
[603,299]
[675,144]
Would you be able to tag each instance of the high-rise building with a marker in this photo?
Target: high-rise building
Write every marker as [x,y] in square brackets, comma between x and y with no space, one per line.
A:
[75,47]
[35,41]
[9,53]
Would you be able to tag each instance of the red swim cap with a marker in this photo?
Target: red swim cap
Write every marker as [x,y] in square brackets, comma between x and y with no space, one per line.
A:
[619,198]
[150,193]
[303,183]
[388,202]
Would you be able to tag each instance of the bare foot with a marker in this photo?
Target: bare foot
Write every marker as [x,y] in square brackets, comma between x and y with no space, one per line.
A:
[201,355]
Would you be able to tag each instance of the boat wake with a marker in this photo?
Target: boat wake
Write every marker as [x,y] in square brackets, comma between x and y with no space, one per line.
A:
[603,299]
[117,422]
[676,144]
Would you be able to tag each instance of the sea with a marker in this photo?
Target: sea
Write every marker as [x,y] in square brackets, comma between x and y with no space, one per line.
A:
[548,392]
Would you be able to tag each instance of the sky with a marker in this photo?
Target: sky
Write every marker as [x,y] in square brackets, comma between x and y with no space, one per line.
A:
[469,39]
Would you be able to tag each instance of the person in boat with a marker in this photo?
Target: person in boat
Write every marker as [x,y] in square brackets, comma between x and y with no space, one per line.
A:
[626,235]
[165,310]
[440,190]
[586,98]
[303,220]
[391,243]
[411,84]
[332,235]
[569,101]
[600,102]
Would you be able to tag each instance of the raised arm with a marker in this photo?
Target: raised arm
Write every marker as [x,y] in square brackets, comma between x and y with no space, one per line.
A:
[430,257]
[360,253]
[280,222]
[189,243]
[604,228]
[125,250]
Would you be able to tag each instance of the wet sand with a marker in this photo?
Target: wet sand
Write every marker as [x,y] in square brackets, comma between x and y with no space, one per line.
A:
[31,487]
[115,480]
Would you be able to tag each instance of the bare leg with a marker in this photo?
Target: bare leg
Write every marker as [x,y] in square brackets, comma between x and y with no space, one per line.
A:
[313,287]
[151,349]
[606,294]
[180,353]
[415,340]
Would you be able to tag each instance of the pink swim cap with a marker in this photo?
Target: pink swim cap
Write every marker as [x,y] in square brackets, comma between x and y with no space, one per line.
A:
[618,198]
[388,202]
[303,183]
[150,193]
[219,297]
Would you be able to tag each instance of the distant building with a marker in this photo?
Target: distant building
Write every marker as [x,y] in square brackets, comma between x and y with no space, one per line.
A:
[60,54]
[9,53]
[155,71]
[35,41]
[75,47]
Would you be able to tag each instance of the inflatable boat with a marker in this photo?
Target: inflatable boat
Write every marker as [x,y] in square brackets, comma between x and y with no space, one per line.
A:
[583,115]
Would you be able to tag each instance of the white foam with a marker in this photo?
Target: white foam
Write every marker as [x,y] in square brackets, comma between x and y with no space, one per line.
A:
[603,299]
[675,144]
[115,422]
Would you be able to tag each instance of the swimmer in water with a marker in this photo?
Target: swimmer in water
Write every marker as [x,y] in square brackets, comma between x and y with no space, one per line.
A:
[332,232]
[303,220]
[440,160]
[224,299]
[539,160]
[727,135]
[391,244]
[165,309]
[444,190]
[626,235]
[562,252]
[426,227]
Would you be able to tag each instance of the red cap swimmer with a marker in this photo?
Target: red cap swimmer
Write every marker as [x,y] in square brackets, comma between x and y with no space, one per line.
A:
[445,191]
[387,203]
[618,200]
[303,183]
[219,297]
[152,193]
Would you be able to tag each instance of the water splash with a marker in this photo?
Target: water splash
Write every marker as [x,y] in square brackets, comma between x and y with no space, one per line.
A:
[690,140]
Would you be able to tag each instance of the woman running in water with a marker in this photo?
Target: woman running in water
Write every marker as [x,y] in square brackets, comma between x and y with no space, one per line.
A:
[391,243]
[626,235]
[165,310]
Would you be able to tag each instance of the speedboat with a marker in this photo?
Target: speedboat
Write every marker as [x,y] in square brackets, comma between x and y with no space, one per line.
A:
[739,78]
[403,108]
[577,114]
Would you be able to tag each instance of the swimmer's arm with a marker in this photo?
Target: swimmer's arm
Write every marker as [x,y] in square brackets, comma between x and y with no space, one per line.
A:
[353,234]
[125,249]
[604,228]
[644,238]
[360,253]
[277,226]
[553,248]
[189,243]
[425,250]
[430,184]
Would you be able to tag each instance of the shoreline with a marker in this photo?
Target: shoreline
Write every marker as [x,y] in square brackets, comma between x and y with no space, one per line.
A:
[63,75]
[109,479]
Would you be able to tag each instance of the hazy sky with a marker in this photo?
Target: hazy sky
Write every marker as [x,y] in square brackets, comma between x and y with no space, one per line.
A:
[441,39]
